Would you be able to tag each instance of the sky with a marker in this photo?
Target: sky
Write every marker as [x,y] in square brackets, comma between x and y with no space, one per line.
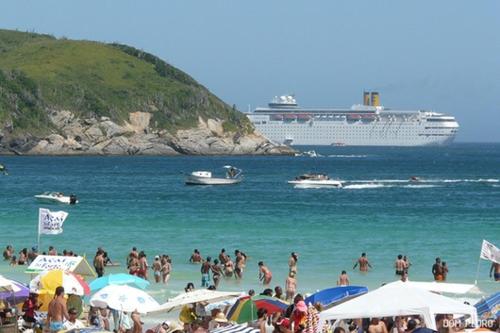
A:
[427,54]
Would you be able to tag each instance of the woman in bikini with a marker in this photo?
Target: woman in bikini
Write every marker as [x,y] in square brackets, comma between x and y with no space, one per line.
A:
[265,274]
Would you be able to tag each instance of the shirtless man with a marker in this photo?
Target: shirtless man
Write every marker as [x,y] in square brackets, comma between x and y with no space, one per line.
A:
[223,258]
[437,270]
[377,326]
[99,263]
[133,254]
[240,264]
[495,271]
[57,311]
[400,265]
[156,267]
[265,274]
[363,263]
[343,279]
[195,257]
[206,267]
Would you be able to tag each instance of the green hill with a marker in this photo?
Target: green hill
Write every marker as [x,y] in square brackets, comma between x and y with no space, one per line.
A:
[40,73]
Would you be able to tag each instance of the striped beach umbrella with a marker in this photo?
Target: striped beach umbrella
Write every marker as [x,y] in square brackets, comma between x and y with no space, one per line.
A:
[489,308]
[245,308]
[47,282]
[235,329]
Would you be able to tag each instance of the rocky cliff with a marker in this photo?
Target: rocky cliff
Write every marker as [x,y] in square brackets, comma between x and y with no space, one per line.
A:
[63,97]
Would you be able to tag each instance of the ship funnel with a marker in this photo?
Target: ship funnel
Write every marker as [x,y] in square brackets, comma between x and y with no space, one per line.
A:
[375,99]
[366,98]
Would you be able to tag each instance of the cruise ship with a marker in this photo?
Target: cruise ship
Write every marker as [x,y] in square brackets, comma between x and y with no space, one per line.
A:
[367,124]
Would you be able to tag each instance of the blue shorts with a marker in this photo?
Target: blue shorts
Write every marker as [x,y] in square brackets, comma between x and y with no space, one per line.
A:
[205,280]
[56,326]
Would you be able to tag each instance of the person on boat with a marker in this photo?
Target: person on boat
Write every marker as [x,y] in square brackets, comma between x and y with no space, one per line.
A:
[265,274]
[363,263]
[343,279]
[231,172]
[3,169]
[290,286]
[495,271]
[292,262]
[195,257]
[400,265]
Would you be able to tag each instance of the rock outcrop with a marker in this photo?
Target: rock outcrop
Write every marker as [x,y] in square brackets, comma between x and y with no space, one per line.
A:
[102,136]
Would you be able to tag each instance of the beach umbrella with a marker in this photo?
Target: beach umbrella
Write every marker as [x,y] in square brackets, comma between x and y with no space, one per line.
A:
[124,298]
[17,292]
[235,329]
[489,308]
[7,285]
[196,296]
[118,279]
[329,296]
[47,282]
[245,308]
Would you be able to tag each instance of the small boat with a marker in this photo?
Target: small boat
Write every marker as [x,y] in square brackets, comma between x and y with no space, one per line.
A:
[57,197]
[414,179]
[233,176]
[312,180]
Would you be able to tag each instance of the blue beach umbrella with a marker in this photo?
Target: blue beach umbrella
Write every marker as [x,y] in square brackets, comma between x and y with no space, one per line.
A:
[489,308]
[329,296]
[118,279]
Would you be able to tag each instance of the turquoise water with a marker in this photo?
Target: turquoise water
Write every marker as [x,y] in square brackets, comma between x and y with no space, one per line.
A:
[143,202]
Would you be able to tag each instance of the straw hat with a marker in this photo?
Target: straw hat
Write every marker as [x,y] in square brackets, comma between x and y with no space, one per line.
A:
[175,326]
[220,318]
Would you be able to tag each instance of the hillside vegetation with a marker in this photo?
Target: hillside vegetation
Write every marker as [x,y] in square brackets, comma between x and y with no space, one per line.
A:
[39,73]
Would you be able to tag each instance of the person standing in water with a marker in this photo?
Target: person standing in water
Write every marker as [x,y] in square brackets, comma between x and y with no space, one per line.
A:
[265,274]
[437,270]
[156,267]
[343,279]
[495,271]
[205,272]
[290,286]
[292,262]
[400,265]
[363,263]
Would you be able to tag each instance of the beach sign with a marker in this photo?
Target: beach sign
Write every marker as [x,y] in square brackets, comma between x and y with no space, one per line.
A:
[76,265]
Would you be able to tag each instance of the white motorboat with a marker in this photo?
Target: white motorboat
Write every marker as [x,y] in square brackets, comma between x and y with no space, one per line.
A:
[315,181]
[57,197]
[233,176]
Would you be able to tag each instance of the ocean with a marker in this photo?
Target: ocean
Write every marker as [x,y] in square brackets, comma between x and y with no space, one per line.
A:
[143,202]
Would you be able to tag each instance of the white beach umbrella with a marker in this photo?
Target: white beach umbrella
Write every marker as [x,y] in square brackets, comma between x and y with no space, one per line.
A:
[8,285]
[124,298]
[200,295]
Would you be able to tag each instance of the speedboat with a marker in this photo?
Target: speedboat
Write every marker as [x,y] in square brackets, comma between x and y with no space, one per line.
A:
[233,176]
[57,197]
[313,180]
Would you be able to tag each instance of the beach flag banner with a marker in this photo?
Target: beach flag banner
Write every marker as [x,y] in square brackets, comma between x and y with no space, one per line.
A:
[76,265]
[50,223]
[490,252]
